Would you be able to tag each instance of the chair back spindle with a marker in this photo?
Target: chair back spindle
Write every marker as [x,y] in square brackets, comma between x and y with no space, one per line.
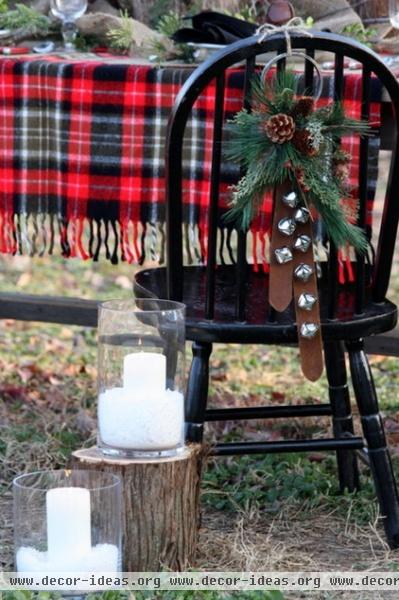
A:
[363,185]
[332,272]
[241,266]
[309,71]
[214,195]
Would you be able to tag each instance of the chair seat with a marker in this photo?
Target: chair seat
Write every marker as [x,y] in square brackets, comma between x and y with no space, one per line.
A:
[261,324]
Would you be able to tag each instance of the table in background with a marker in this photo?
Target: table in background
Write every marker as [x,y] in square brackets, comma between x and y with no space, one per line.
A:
[82,162]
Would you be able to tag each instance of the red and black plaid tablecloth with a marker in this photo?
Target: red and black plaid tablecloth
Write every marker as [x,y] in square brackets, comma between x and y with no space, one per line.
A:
[81,165]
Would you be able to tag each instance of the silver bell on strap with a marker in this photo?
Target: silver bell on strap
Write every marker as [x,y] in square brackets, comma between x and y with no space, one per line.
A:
[286,226]
[291,199]
[283,255]
[302,243]
[302,215]
[303,272]
[306,301]
[309,330]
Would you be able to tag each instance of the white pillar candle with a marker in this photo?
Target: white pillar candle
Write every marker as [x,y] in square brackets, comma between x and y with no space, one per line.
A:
[145,370]
[68,524]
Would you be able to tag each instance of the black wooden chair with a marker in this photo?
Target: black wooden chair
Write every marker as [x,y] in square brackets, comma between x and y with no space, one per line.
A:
[223,303]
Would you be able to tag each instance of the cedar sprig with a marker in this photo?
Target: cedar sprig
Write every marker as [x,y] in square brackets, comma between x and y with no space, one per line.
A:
[336,124]
[325,195]
[248,194]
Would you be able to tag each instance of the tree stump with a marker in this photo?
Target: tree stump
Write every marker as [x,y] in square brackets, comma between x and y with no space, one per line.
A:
[161,506]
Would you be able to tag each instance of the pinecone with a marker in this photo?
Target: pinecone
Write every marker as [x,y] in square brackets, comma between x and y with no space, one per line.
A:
[303,107]
[299,175]
[303,141]
[280,128]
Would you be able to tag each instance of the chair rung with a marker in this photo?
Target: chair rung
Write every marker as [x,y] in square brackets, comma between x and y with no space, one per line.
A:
[287,446]
[267,412]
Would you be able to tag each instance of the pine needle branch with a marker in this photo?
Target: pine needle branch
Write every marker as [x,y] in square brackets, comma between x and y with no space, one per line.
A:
[26,18]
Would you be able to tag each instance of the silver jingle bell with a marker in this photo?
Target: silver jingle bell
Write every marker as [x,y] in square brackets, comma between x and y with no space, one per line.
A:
[286,226]
[306,301]
[302,215]
[309,330]
[283,255]
[302,243]
[303,272]
[291,199]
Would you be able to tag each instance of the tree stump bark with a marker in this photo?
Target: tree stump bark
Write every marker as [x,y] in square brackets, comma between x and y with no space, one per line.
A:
[161,506]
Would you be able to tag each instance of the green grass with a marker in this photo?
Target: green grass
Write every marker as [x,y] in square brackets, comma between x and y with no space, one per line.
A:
[274,482]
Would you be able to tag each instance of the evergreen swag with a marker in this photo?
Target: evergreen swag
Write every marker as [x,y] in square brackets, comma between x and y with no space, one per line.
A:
[285,138]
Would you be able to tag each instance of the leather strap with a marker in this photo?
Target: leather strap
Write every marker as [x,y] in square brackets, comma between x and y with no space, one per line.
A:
[280,280]
[284,286]
[311,350]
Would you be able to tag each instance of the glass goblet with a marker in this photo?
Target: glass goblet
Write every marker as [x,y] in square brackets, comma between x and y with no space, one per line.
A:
[68,11]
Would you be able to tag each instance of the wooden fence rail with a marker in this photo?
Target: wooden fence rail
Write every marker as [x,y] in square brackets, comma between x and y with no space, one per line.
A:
[75,311]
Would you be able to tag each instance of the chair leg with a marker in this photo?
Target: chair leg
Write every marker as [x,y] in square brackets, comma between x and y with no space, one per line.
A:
[348,472]
[197,391]
[373,429]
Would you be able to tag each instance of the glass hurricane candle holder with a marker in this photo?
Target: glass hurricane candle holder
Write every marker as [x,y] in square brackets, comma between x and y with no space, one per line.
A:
[68,521]
[141,347]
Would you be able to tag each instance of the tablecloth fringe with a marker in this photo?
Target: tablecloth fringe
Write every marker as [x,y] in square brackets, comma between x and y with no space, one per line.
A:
[136,242]
[128,240]
[81,237]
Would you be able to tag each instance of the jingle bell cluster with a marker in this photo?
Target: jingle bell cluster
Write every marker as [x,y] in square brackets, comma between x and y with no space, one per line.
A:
[287,227]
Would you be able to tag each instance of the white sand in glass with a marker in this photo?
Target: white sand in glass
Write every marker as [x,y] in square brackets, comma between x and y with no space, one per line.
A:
[68,517]
[102,558]
[139,420]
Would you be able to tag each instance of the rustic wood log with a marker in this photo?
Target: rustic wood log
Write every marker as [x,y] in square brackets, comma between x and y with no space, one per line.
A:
[100,24]
[371,9]
[326,14]
[161,506]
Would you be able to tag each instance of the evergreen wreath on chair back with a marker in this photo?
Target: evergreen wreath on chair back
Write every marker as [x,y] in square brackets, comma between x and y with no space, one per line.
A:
[285,138]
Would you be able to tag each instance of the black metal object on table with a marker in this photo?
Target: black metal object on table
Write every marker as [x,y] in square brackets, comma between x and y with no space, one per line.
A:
[228,303]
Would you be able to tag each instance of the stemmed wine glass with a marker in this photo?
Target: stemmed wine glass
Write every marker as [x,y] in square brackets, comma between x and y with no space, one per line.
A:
[68,11]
